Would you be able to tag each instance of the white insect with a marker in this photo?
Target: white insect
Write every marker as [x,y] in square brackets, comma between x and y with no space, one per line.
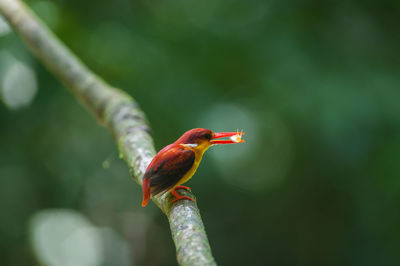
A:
[238,137]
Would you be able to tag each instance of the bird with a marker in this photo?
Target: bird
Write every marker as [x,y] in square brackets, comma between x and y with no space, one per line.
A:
[176,163]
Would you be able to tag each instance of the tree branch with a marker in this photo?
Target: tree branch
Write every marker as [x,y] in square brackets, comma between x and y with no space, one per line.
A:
[121,115]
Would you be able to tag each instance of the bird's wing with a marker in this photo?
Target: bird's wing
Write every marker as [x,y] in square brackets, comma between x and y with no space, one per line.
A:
[168,167]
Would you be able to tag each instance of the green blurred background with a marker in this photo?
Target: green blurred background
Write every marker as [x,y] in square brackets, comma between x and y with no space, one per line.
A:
[315,85]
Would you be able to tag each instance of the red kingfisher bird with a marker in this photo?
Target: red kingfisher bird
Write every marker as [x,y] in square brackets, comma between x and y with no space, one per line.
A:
[176,163]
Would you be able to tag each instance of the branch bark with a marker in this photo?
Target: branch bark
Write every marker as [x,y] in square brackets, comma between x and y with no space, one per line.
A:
[122,116]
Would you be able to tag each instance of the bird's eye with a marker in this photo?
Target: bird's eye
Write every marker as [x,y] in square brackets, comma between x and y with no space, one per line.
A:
[208,136]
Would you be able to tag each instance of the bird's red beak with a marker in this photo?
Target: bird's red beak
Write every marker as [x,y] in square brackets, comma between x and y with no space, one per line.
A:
[235,137]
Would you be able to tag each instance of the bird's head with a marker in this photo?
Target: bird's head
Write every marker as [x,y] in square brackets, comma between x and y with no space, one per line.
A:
[202,139]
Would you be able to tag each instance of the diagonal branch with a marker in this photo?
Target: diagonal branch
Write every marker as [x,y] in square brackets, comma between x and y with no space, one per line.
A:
[121,115]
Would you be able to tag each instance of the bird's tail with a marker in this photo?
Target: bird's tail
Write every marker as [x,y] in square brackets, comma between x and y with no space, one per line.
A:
[146,192]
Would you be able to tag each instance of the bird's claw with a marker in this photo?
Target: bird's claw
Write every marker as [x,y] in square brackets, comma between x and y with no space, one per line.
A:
[183,187]
[183,197]
[179,197]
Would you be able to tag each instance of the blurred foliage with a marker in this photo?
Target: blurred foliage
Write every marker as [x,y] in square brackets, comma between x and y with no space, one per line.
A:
[315,85]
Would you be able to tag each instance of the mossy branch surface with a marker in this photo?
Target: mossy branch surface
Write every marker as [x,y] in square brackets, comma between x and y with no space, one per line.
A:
[120,113]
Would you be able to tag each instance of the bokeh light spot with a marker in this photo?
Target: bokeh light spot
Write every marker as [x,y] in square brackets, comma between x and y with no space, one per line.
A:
[65,238]
[224,117]
[4,27]
[19,85]
[263,160]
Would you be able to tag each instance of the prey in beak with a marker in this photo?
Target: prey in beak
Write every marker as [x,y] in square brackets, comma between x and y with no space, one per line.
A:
[234,137]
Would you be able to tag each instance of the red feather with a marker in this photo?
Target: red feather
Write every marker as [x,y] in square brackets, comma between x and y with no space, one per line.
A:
[146,192]
[166,169]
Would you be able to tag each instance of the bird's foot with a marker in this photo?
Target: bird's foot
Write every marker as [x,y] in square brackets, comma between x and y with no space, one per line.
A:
[184,197]
[183,187]
[179,197]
